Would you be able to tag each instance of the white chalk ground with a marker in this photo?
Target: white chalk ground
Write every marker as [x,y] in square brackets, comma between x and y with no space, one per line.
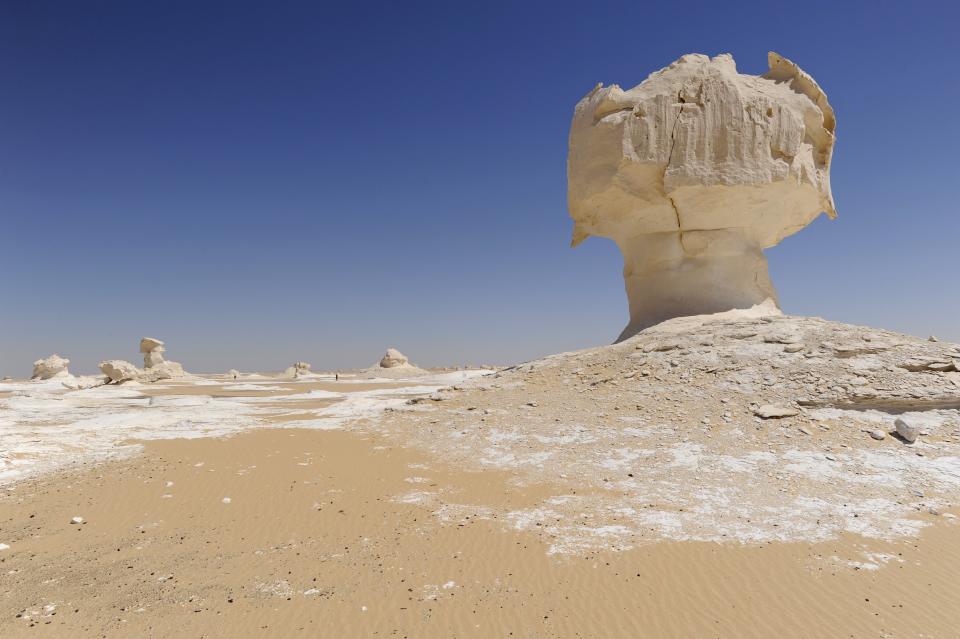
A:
[44,425]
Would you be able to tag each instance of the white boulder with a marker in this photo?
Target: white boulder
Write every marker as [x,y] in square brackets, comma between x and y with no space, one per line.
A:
[53,366]
[119,370]
[693,173]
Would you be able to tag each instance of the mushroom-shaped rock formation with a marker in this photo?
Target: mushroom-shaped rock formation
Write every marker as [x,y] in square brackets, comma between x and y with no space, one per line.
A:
[394,358]
[155,368]
[693,173]
[53,366]
[152,350]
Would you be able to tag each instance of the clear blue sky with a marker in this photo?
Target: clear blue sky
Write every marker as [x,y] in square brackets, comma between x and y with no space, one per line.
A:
[258,183]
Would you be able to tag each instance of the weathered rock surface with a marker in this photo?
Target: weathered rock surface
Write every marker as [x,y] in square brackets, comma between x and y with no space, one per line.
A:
[394,358]
[53,366]
[693,173]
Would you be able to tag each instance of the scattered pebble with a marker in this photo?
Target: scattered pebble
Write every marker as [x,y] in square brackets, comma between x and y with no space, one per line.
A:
[878,434]
[908,432]
[774,411]
[76,520]
[4,547]
[226,500]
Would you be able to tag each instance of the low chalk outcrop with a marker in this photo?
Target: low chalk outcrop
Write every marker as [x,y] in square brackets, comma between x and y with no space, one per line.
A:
[155,367]
[85,381]
[693,173]
[53,366]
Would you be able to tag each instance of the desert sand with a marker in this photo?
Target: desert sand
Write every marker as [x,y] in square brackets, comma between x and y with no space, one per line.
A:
[316,539]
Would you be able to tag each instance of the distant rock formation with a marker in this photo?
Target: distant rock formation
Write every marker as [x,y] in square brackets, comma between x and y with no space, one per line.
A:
[394,358]
[152,350]
[693,173]
[233,374]
[155,367]
[53,366]
[393,365]
[299,369]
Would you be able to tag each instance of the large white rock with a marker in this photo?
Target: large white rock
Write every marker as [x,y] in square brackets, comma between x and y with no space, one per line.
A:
[53,366]
[693,173]
[119,370]
[394,358]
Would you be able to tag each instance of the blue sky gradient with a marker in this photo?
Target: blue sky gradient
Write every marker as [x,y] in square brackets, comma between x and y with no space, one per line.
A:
[257,183]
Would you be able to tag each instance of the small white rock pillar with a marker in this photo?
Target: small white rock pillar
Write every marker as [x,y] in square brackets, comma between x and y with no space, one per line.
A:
[152,350]
[693,173]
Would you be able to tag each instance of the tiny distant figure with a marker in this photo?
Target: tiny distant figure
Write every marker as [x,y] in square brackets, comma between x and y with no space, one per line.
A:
[336,377]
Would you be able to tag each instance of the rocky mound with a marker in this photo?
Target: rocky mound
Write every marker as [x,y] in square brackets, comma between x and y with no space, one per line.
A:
[722,427]
[393,365]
